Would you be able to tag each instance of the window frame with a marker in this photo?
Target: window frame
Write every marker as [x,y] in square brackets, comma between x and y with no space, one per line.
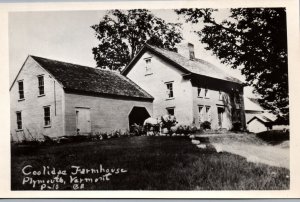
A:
[220,95]
[201,113]
[200,94]
[23,93]
[206,93]
[19,121]
[148,67]
[208,113]
[49,117]
[207,109]
[41,86]
[169,90]
[171,108]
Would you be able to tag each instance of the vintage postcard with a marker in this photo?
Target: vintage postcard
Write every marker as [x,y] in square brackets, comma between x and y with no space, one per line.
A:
[180,99]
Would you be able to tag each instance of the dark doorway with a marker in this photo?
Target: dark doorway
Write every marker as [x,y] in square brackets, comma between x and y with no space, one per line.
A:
[138,115]
[220,116]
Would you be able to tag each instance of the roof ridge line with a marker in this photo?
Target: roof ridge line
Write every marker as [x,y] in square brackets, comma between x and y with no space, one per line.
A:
[62,61]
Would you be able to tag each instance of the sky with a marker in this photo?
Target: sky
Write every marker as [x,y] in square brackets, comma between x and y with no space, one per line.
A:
[67,36]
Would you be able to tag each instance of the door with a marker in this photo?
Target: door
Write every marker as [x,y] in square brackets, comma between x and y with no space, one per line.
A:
[220,116]
[83,120]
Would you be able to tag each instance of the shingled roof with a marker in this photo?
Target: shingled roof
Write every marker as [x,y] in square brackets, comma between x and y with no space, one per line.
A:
[91,80]
[195,66]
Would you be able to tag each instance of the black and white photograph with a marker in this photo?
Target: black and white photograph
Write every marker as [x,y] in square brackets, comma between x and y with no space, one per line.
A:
[190,98]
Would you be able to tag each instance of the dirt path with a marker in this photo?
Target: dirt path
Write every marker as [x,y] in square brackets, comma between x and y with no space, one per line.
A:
[252,150]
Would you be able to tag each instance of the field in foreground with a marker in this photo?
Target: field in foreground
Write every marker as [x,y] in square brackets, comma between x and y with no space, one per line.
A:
[152,163]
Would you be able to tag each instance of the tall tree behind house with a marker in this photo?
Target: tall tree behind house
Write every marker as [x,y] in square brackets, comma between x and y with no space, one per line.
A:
[122,33]
[255,40]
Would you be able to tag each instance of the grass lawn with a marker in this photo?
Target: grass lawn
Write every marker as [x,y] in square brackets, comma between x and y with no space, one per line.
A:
[152,163]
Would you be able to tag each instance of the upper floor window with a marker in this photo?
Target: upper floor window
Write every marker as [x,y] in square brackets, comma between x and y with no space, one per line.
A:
[148,66]
[171,111]
[41,85]
[19,120]
[47,117]
[21,89]
[220,95]
[199,92]
[206,93]
[170,92]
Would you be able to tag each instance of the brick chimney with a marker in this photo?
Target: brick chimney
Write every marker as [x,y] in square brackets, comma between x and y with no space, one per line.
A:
[186,50]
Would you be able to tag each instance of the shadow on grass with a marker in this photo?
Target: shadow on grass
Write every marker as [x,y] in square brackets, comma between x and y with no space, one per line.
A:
[274,137]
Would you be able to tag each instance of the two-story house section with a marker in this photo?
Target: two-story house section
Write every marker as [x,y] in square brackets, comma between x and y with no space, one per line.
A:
[190,88]
[55,98]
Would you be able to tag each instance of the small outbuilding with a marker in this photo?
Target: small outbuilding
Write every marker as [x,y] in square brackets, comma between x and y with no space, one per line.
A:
[55,98]
[259,123]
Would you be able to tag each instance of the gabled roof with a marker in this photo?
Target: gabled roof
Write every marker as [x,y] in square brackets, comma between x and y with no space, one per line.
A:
[264,118]
[196,66]
[79,78]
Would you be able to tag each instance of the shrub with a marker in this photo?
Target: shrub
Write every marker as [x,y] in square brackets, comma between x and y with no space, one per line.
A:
[206,125]
[186,129]
[126,133]
[193,129]
[137,130]
[180,129]
[104,135]
[116,133]
[236,126]
[274,136]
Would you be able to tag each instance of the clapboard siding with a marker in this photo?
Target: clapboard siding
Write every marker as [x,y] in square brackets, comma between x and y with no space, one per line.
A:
[186,100]
[32,106]
[155,85]
[107,114]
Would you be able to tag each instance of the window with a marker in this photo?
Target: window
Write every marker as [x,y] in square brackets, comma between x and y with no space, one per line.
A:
[21,90]
[201,113]
[199,90]
[204,113]
[47,117]
[170,93]
[171,111]
[206,93]
[220,95]
[207,109]
[41,85]
[19,120]
[208,114]
[148,66]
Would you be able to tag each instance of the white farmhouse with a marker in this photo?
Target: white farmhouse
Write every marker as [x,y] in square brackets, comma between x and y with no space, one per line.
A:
[190,88]
[55,98]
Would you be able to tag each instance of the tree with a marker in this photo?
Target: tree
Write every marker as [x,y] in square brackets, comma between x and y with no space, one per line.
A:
[122,33]
[255,40]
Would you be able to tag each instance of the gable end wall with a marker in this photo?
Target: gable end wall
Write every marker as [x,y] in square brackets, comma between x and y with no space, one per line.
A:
[32,106]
